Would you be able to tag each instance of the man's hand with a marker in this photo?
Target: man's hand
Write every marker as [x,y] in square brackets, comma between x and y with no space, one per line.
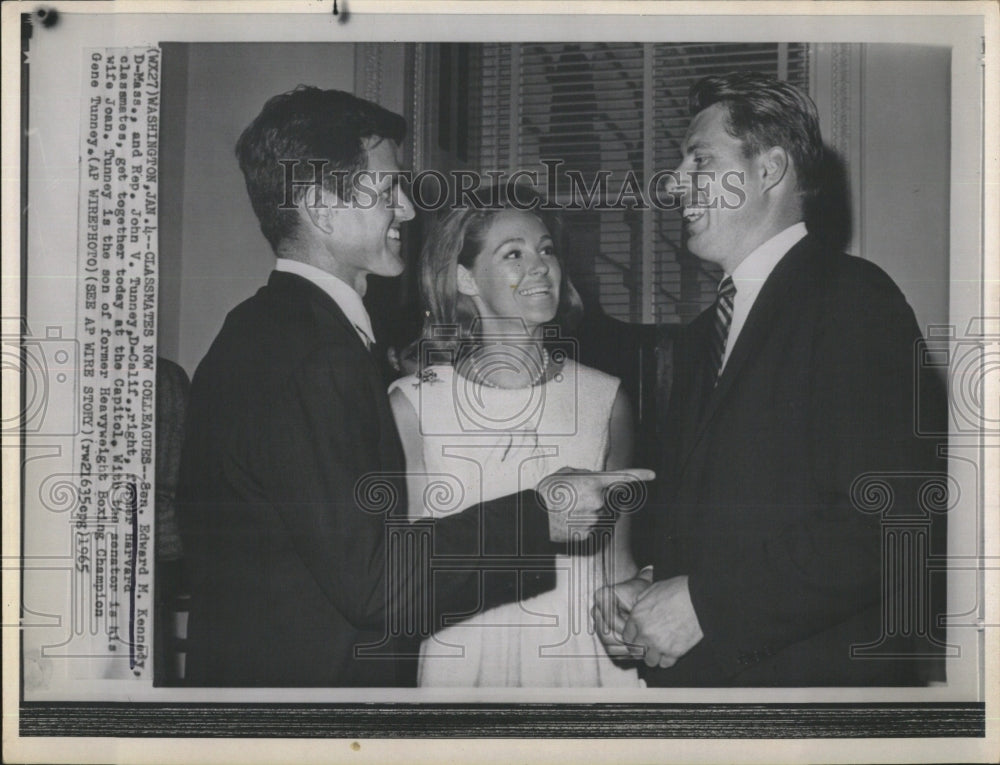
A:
[664,622]
[575,498]
[612,606]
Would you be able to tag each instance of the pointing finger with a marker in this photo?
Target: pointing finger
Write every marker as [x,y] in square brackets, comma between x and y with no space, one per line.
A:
[625,476]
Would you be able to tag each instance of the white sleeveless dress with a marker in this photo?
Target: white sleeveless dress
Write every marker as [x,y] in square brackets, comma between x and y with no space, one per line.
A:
[481,443]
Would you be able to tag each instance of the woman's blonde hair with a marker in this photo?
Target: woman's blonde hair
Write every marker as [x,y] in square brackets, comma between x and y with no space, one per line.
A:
[456,238]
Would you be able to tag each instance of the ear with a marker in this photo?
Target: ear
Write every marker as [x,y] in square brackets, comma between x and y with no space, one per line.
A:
[466,284]
[318,205]
[773,165]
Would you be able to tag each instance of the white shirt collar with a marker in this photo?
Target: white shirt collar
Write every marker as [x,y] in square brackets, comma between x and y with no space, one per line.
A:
[343,294]
[750,275]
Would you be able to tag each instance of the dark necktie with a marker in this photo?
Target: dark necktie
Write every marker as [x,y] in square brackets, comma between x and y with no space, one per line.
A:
[720,327]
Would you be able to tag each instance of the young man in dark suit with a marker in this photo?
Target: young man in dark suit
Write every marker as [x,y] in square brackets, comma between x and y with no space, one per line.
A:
[303,568]
[799,391]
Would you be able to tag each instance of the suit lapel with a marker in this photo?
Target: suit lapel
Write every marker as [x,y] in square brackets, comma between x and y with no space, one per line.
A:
[329,317]
[790,272]
[324,308]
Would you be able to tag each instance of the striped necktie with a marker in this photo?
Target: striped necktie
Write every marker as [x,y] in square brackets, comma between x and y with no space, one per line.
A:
[720,327]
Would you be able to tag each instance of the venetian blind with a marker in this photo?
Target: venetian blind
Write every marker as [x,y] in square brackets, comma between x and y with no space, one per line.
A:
[619,109]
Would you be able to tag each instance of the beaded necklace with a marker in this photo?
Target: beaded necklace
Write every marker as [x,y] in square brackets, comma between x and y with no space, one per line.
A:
[483,380]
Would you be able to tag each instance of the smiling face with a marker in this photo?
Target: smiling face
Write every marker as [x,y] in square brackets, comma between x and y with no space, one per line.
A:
[363,233]
[723,204]
[516,273]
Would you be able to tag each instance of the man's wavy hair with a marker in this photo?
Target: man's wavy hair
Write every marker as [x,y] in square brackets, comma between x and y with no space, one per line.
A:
[308,125]
[456,237]
[766,112]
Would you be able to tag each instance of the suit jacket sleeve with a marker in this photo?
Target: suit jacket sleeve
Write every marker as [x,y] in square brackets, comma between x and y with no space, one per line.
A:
[827,566]
[340,508]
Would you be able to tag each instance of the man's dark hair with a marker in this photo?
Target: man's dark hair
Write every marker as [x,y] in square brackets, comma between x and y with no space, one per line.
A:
[325,127]
[766,112]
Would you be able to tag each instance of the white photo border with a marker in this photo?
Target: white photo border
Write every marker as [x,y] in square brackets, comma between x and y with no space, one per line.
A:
[957,728]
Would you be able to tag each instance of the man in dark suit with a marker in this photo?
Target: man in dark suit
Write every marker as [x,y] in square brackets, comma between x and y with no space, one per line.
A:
[799,391]
[303,568]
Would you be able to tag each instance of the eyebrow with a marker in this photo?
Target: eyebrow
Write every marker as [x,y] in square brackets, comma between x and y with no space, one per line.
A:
[697,145]
[519,240]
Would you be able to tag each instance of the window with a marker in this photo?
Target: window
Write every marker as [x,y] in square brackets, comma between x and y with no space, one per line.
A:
[618,109]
